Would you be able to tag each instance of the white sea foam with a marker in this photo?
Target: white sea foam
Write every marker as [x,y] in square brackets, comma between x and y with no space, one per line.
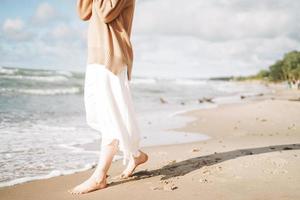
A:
[234,87]
[179,81]
[57,91]
[7,71]
[143,81]
[203,106]
[37,78]
[53,173]
[65,73]
[190,82]
[53,128]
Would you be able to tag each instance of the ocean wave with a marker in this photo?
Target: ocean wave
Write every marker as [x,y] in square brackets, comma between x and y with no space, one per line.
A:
[238,88]
[144,81]
[53,173]
[53,128]
[36,78]
[228,87]
[8,71]
[57,91]
[179,81]
[190,82]
[36,74]
[65,73]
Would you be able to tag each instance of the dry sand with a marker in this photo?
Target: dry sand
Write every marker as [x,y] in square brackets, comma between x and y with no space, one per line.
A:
[254,153]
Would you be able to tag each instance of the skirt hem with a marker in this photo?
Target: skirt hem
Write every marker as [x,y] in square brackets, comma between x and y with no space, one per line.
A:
[109,108]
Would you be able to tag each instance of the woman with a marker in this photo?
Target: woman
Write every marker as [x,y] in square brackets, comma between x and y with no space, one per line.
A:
[107,95]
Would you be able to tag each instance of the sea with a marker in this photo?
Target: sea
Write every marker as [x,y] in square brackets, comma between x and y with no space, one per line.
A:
[43,128]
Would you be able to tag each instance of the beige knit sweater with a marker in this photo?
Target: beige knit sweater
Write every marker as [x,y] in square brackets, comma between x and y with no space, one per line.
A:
[109,31]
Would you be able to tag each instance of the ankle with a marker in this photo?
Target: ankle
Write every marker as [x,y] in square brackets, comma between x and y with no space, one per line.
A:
[99,179]
[137,154]
[99,174]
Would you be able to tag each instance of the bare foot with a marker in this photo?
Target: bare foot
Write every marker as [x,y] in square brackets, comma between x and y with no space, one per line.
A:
[89,185]
[133,163]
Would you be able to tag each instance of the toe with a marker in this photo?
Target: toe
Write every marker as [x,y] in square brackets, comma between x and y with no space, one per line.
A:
[70,191]
[121,176]
[73,191]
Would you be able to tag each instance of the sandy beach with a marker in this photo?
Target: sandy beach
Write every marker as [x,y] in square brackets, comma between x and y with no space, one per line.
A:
[253,153]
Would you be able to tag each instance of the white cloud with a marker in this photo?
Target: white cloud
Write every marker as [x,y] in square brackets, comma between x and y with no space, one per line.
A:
[45,12]
[14,29]
[188,56]
[215,37]
[62,31]
[13,25]
[170,38]
[217,19]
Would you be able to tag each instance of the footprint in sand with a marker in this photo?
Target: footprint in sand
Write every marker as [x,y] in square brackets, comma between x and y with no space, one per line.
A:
[278,162]
[195,150]
[166,185]
[277,166]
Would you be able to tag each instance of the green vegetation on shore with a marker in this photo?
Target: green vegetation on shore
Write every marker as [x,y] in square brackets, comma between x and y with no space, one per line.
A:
[286,69]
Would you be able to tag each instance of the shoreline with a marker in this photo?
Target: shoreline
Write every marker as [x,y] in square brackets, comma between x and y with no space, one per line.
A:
[188,137]
[92,146]
[164,156]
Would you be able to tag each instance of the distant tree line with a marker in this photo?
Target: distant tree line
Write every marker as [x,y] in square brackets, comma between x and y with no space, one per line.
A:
[286,69]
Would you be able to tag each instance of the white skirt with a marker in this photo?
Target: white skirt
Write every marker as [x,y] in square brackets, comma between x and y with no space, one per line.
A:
[109,108]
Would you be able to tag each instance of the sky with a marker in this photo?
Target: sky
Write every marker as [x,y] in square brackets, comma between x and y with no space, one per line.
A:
[196,38]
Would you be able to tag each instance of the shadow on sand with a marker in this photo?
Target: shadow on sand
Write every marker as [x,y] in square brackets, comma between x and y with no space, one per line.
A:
[186,166]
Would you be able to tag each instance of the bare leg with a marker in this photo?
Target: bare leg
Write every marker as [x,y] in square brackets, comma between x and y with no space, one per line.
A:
[98,178]
[133,163]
